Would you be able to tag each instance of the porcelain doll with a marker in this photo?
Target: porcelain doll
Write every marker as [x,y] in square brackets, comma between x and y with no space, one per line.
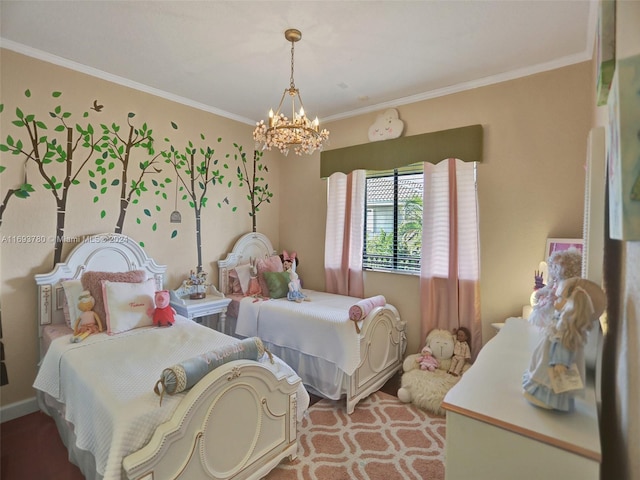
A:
[562,265]
[556,372]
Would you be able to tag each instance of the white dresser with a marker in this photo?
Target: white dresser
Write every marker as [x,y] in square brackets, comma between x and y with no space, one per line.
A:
[493,433]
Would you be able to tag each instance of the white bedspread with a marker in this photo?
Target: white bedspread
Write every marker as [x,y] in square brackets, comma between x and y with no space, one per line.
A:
[320,327]
[106,383]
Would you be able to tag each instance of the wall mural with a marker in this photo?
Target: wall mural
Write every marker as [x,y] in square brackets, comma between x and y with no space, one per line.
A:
[117,155]
[196,171]
[121,157]
[77,142]
[256,185]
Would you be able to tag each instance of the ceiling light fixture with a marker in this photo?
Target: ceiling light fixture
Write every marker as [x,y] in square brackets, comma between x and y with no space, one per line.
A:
[298,131]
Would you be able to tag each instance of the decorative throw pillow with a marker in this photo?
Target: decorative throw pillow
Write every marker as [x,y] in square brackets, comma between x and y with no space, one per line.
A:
[72,291]
[92,281]
[128,305]
[244,276]
[271,264]
[278,283]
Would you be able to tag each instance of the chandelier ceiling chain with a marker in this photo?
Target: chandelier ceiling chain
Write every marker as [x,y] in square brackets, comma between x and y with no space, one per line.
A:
[298,132]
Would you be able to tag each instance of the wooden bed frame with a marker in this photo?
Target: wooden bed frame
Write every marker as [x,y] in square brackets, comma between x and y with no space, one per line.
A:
[382,336]
[239,421]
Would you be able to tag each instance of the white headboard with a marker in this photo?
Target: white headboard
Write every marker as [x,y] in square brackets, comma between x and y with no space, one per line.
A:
[106,252]
[250,245]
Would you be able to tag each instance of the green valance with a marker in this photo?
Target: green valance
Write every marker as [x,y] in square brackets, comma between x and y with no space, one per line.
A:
[464,143]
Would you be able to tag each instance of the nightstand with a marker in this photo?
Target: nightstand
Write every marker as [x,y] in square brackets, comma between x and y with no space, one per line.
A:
[214,303]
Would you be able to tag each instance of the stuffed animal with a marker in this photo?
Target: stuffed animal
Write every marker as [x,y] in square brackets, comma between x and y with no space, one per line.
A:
[88,322]
[254,285]
[557,369]
[426,360]
[426,389]
[289,264]
[164,314]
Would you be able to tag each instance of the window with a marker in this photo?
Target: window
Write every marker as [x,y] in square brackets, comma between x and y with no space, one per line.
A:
[393,220]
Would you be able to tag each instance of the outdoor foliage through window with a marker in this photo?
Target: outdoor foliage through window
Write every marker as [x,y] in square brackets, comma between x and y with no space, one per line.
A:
[393,220]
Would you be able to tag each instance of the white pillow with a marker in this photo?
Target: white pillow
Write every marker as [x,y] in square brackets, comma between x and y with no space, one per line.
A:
[244,275]
[72,291]
[127,305]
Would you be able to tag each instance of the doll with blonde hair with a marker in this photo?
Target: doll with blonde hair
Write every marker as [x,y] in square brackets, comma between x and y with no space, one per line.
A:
[562,264]
[578,307]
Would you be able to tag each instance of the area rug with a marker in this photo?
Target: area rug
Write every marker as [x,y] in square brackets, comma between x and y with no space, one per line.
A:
[383,439]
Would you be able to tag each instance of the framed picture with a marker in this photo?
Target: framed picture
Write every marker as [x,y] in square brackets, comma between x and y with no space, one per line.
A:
[623,151]
[605,49]
[561,244]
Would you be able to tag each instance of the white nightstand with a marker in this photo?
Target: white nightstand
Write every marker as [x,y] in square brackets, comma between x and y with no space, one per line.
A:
[214,303]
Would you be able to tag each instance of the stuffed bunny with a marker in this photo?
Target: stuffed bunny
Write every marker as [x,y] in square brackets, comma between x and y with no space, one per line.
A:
[254,285]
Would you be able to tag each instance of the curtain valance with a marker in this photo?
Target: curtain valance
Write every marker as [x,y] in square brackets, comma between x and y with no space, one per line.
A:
[464,143]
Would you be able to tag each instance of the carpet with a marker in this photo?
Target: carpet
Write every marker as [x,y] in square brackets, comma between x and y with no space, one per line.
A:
[383,439]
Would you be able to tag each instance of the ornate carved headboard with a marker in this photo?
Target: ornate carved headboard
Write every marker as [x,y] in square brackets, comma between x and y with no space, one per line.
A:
[106,252]
[250,245]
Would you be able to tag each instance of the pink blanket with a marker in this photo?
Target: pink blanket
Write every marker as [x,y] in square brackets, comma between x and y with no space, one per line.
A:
[361,309]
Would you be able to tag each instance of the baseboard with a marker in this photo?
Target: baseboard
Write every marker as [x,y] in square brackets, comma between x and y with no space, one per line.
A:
[18,409]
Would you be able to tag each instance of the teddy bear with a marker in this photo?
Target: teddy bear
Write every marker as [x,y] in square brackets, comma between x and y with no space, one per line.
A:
[163,314]
[88,322]
[427,389]
[426,360]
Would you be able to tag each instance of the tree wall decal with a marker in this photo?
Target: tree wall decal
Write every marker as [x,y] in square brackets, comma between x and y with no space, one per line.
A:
[54,158]
[257,187]
[196,172]
[120,148]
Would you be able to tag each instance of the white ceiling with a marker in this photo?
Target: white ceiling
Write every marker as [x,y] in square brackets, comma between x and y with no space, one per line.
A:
[231,57]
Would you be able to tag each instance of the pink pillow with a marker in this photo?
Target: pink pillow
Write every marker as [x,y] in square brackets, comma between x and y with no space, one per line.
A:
[234,283]
[92,281]
[271,264]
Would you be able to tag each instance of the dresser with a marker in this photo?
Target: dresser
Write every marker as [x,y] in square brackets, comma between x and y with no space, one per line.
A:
[493,433]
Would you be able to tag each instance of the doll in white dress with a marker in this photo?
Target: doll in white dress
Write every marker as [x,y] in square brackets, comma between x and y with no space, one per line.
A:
[552,378]
[562,265]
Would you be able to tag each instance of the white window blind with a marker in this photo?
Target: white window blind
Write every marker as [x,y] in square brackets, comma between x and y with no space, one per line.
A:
[393,219]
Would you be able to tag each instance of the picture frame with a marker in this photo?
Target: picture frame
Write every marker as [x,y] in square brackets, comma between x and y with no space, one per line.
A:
[605,49]
[562,244]
[623,151]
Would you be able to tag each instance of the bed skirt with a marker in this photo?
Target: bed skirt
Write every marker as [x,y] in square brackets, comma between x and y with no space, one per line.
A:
[83,459]
[320,377]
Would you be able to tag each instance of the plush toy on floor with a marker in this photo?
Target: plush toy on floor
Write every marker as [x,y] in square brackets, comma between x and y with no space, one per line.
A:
[426,389]
[164,314]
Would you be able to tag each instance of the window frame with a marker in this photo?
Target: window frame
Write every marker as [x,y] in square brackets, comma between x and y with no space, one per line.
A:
[396,175]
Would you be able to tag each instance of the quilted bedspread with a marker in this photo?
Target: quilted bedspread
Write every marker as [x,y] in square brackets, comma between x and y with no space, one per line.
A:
[106,384]
[319,327]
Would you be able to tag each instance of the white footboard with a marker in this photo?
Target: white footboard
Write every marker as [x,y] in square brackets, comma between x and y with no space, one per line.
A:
[238,422]
[382,345]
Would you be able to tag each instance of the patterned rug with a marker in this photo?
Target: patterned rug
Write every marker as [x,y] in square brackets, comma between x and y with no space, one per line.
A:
[383,439]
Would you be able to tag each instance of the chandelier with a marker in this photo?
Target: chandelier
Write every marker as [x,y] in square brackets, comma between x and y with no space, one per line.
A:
[298,131]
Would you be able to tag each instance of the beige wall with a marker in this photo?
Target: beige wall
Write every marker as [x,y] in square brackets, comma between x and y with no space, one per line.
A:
[36,215]
[530,185]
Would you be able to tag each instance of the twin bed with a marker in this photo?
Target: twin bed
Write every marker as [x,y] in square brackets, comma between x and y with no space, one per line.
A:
[240,420]
[316,337]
